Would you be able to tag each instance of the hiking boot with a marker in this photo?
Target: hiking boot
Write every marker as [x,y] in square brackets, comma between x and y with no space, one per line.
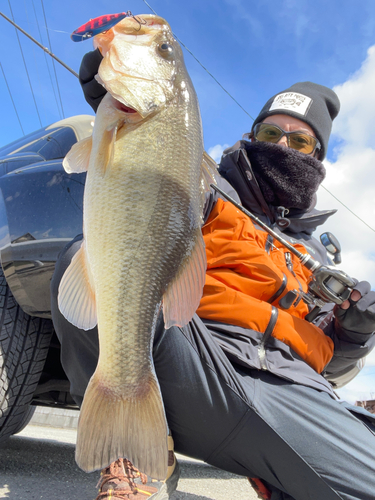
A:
[122,481]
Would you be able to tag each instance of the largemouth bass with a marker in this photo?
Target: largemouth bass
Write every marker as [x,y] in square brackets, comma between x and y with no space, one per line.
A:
[142,247]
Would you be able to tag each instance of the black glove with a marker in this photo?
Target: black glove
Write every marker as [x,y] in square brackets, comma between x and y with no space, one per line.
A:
[357,323]
[93,91]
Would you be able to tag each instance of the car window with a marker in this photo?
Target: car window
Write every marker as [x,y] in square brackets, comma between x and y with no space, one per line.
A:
[9,164]
[19,143]
[51,145]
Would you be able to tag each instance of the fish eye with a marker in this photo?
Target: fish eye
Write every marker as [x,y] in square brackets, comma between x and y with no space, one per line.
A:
[166,50]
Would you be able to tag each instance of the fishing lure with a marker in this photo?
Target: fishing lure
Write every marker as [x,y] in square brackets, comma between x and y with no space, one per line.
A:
[98,25]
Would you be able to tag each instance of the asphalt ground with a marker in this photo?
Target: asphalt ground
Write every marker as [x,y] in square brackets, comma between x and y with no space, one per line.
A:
[38,463]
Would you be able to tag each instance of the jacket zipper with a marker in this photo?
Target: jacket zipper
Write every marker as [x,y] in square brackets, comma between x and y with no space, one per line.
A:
[267,334]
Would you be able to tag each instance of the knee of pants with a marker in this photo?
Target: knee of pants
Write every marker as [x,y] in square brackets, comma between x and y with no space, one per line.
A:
[202,403]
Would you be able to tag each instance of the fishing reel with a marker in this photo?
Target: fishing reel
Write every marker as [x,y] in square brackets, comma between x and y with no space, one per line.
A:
[327,284]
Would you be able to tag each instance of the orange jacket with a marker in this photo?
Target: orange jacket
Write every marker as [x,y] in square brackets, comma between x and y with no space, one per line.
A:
[243,280]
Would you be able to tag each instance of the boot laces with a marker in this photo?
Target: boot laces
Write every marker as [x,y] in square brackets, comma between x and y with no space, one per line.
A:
[118,472]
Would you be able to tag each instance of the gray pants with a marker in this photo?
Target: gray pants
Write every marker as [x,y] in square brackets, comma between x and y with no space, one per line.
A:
[299,441]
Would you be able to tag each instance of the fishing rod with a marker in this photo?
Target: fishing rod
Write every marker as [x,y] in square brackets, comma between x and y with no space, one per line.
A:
[93,27]
[327,284]
[39,45]
[89,33]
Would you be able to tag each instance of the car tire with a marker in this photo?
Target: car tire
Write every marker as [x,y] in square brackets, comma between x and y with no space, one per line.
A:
[24,343]
[28,415]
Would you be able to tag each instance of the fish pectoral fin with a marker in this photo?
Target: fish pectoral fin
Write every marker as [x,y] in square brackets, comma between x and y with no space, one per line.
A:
[78,158]
[106,148]
[132,426]
[182,297]
[76,296]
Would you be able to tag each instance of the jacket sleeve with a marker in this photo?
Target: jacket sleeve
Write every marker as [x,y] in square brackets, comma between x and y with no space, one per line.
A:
[348,356]
[93,91]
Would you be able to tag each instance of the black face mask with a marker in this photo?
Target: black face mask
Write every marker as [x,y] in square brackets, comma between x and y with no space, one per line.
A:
[285,176]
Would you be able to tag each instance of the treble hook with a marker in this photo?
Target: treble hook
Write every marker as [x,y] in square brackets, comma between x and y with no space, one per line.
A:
[139,20]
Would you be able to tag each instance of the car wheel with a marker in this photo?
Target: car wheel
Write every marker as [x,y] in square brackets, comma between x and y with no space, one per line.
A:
[24,342]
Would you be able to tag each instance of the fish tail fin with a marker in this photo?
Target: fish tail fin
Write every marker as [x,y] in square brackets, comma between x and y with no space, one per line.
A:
[112,426]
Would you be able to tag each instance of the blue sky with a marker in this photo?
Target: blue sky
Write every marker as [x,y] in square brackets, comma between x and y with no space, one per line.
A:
[255,49]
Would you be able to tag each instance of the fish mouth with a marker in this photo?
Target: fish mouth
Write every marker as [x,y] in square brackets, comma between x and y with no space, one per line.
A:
[122,107]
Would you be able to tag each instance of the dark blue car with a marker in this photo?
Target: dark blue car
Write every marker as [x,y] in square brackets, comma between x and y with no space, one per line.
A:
[40,212]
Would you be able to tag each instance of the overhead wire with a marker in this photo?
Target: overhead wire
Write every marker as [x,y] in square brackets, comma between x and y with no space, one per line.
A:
[36,63]
[207,71]
[39,44]
[347,208]
[53,62]
[10,93]
[248,114]
[49,29]
[27,72]
[190,52]
[45,58]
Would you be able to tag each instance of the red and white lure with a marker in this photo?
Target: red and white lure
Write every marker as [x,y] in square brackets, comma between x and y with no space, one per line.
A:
[98,25]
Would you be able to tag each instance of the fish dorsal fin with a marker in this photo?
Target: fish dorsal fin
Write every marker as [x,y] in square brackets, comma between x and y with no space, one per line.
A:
[76,296]
[209,171]
[78,158]
[208,176]
[184,293]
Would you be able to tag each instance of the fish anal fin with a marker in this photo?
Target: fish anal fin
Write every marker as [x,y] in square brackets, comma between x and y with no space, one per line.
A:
[78,158]
[182,297]
[76,296]
[113,426]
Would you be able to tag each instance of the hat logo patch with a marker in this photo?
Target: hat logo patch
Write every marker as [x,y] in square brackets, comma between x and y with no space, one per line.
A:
[292,101]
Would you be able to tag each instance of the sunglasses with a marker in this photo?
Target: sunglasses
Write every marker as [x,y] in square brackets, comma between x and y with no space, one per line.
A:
[266,132]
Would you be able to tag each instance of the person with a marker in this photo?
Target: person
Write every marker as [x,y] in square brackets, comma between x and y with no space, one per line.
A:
[248,384]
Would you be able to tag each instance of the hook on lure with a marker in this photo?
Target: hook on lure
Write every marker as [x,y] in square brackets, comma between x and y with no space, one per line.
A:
[101,24]
[139,20]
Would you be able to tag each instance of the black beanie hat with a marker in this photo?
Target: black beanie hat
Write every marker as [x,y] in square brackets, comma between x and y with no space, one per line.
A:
[314,104]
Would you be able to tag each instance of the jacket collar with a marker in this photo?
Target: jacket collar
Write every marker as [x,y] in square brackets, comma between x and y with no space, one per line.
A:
[235,167]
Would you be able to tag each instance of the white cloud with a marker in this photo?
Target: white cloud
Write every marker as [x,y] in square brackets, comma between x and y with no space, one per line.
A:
[216,151]
[351,178]
[355,123]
